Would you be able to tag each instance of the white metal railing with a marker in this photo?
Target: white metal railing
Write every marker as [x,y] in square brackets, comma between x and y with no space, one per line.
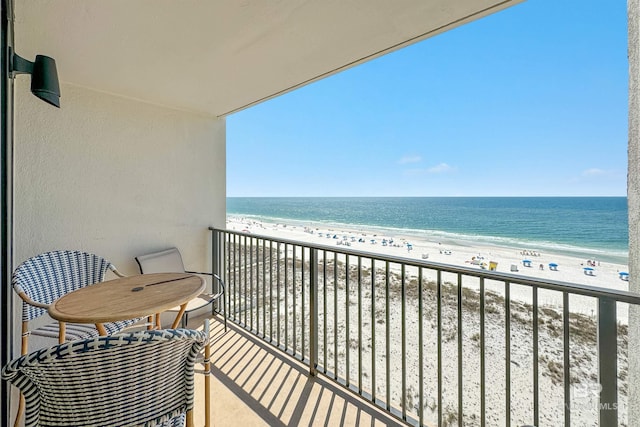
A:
[434,343]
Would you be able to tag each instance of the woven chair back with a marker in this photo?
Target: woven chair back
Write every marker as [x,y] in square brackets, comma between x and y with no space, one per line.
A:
[140,378]
[48,276]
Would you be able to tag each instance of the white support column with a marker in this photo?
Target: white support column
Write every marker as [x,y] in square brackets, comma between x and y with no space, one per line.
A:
[633,193]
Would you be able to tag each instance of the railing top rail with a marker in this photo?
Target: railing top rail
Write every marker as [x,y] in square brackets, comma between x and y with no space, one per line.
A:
[573,288]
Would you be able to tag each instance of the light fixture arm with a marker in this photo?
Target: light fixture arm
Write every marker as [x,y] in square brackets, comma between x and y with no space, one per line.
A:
[19,65]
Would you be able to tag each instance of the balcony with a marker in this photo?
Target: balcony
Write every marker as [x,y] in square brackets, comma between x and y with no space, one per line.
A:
[255,385]
[335,336]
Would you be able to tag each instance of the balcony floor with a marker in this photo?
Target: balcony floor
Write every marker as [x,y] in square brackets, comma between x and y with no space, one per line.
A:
[254,384]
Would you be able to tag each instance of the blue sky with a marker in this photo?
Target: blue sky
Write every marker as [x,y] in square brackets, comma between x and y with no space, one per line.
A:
[531,101]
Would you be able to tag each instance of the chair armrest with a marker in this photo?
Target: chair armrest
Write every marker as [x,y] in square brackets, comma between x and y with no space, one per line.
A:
[29,301]
[115,271]
[215,276]
[221,283]
[199,272]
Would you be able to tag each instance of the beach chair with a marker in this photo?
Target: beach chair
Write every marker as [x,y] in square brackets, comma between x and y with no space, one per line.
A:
[136,378]
[170,261]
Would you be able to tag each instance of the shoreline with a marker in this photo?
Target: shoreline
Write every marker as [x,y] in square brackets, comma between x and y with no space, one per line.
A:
[610,255]
[454,252]
[568,269]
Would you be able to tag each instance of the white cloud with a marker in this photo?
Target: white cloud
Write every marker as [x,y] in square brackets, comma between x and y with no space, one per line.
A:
[437,169]
[409,159]
[441,168]
[593,172]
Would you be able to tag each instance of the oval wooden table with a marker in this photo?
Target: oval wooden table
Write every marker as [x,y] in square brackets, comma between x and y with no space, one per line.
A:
[126,298]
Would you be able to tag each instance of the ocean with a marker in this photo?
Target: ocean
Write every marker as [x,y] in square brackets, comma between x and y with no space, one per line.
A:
[586,227]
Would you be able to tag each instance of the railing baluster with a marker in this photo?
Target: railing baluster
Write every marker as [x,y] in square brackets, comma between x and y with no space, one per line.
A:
[228,268]
[460,407]
[565,351]
[252,296]
[313,312]
[241,282]
[420,351]
[439,344]
[215,261]
[483,378]
[225,273]
[215,254]
[608,362]
[286,293]
[256,291]
[278,293]
[507,340]
[236,273]
[246,264]
[335,315]
[347,322]
[302,300]
[324,309]
[270,290]
[388,337]
[222,265]
[264,288]
[536,385]
[222,271]
[403,331]
[217,248]
[373,331]
[360,325]
[236,277]
[294,298]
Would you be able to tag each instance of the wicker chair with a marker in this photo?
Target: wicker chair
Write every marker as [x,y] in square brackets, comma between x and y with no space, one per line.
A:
[136,378]
[170,261]
[41,280]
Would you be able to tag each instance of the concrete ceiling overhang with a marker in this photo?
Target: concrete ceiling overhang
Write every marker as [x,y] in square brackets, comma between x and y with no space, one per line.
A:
[216,57]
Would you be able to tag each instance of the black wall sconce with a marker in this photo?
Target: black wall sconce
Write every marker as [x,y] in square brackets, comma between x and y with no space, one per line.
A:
[44,76]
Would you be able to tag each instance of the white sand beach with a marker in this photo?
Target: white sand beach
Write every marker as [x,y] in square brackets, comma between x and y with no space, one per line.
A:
[569,269]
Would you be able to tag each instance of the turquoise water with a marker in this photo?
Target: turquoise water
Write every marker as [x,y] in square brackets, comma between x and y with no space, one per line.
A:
[588,227]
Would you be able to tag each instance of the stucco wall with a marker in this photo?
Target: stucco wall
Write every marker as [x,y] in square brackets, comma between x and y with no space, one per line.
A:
[115,177]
